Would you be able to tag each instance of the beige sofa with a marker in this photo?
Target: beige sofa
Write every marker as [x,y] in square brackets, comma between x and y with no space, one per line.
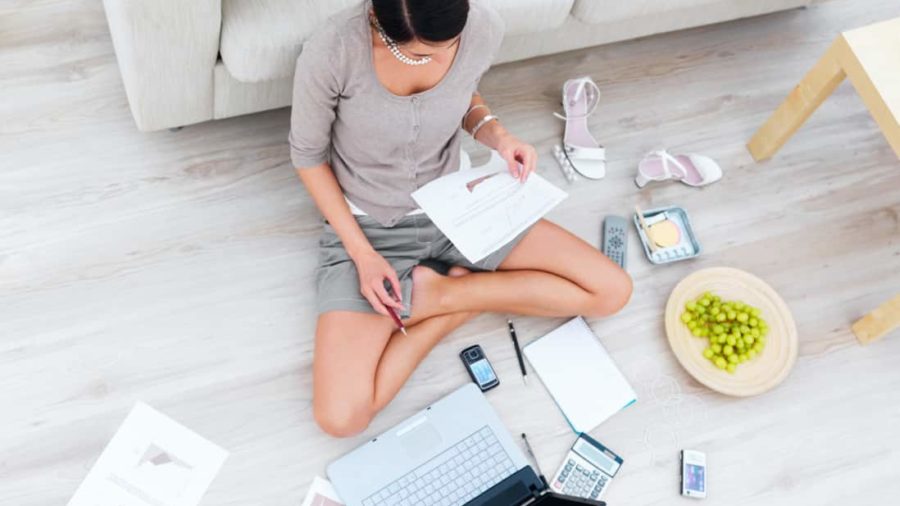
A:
[187,61]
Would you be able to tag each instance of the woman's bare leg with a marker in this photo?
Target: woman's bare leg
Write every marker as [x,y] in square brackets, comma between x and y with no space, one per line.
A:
[361,362]
[551,272]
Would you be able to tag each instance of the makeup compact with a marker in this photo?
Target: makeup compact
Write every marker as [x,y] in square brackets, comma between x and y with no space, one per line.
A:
[666,234]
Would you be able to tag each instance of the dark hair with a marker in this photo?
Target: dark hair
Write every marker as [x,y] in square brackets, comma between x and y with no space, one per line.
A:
[425,20]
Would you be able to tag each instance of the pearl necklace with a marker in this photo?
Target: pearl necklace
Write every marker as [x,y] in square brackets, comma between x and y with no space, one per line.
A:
[395,49]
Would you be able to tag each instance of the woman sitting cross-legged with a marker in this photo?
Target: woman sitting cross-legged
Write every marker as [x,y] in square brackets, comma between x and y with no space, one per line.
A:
[382,96]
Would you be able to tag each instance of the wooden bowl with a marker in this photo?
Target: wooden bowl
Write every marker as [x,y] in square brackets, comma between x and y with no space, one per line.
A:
[755,376]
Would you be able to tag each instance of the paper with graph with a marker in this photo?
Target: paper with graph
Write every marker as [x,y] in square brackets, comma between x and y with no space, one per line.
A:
[483,208]
[151,461]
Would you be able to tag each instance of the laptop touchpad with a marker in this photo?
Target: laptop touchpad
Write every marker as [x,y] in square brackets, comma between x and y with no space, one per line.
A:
[420,438]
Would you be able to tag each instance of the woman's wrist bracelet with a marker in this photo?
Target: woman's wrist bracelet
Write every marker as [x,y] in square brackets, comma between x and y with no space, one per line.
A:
[470,111]
[484,121]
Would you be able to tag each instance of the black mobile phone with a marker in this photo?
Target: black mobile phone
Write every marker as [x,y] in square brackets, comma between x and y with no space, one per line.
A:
[479,368]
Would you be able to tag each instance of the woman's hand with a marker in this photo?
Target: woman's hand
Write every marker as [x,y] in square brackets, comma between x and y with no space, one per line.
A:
[521,156]
[373,270]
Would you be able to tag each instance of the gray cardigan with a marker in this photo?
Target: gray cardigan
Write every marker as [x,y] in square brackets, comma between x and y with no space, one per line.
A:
[382,146]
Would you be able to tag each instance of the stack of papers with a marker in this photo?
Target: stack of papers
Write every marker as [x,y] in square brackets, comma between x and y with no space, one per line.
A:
[483,208]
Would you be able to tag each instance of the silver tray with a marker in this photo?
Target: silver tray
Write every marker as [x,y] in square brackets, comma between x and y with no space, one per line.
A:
[686,249]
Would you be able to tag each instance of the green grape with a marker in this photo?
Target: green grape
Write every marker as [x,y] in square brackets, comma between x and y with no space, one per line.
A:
[735,330]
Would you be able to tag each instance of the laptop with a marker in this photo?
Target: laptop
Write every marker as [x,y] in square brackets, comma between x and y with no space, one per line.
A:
[455,452]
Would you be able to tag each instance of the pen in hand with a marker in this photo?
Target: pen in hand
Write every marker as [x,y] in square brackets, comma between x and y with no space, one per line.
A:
[391,311]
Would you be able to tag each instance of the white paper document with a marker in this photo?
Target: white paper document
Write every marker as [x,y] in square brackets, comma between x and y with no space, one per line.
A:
[151,461]
[580,375]
[483,208]
[321,493]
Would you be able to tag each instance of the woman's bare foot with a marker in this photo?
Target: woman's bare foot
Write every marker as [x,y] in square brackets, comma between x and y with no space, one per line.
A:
[427,288]
[457,271]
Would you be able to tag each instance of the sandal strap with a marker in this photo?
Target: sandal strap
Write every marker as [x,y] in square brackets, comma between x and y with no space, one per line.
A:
[582,153]
[667,158]
[586,86]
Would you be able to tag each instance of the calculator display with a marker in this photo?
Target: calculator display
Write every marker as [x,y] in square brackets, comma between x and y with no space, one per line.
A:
[596,456]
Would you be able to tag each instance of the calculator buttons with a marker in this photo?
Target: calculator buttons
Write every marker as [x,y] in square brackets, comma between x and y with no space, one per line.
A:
[579,478]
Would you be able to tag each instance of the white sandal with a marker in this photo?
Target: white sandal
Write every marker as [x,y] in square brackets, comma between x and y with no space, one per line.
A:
[692,170]
[580,151]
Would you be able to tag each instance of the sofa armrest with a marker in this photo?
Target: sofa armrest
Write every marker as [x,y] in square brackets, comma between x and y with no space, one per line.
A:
[167,50]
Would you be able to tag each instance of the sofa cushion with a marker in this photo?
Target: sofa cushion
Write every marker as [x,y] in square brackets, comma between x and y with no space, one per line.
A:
[605,11]
[530,16]
[262,38]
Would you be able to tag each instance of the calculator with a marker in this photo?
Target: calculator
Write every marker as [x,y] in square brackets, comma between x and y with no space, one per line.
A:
[587,469]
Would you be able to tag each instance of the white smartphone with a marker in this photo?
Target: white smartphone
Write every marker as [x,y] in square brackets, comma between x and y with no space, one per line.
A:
[693,474]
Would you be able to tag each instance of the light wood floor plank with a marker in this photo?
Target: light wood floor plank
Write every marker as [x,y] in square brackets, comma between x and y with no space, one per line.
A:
[176,268]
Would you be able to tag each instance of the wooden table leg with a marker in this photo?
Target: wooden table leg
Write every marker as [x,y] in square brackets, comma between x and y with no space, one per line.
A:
[879,322]
[815,87]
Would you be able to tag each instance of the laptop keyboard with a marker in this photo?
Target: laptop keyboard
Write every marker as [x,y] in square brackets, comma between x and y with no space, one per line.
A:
[453,477]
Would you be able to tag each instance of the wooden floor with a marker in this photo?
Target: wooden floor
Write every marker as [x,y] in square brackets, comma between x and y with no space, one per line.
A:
[176,268]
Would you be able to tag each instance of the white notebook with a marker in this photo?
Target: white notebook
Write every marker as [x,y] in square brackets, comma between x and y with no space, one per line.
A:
[580,376]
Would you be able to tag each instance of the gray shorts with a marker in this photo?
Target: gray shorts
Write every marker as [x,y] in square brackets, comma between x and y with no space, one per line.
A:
[412,239]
